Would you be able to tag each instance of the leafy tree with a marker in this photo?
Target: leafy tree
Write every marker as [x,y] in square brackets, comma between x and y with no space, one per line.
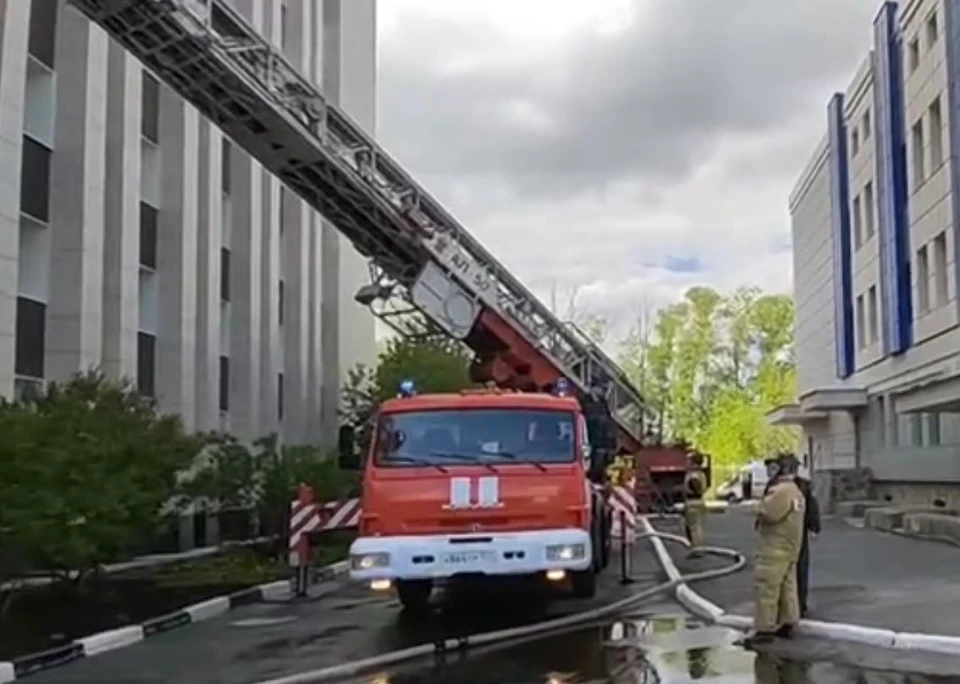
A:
[265,477]
[434,365]
[714,366]
[226,474]
[85,470]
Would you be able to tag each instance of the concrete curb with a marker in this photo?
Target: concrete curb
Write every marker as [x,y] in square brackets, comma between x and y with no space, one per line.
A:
[119,637]
[870,636]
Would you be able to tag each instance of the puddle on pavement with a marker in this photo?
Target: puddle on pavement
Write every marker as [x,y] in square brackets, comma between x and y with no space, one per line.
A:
[666,649]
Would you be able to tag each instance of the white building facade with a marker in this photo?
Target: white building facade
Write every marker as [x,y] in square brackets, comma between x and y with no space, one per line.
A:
[135,238]
[876,264]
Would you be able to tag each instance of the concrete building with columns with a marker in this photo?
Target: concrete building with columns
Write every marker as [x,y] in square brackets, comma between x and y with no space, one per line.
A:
[874,217]
[137,239]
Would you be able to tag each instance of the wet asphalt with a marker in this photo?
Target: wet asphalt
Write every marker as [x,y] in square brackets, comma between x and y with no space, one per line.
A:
[341,623]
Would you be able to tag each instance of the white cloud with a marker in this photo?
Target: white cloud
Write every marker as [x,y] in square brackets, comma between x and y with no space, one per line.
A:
[589,144]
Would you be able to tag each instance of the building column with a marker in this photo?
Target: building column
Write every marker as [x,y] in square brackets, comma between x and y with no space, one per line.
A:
[14,32]
[209,244]
[358,98]
[271,350]
[77,186]
[177,257]
[349,81]
[330,247]
[246,261]
[298,218]
[121,255]
[312,283]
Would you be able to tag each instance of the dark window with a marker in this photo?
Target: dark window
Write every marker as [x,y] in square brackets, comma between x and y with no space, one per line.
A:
[280,396]
[481,436]
[225,167]
[35,180]
[283,24]
[225,274]
[150,115]
[148,235]
[146,364]
[31,337]
[43,31]
[224,383]
[280,303]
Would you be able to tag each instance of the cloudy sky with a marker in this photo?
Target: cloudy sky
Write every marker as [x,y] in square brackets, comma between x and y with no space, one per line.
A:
[624,148]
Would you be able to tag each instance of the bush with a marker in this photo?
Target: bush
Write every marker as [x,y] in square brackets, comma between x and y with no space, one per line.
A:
[85,469]
[265,478]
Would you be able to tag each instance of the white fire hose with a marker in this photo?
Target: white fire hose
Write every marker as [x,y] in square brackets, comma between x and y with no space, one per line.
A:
[515,634]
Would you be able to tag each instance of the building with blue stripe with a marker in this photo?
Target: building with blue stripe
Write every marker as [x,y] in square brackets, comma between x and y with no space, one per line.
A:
[876,266]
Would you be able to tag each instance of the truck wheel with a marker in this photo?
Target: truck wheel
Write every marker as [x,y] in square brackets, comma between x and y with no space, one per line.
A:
[414,594]
[584,583]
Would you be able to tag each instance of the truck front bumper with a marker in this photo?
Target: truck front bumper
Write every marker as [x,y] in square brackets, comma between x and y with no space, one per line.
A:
[444,556]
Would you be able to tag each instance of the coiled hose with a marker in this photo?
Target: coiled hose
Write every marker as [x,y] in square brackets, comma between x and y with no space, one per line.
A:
[514,634]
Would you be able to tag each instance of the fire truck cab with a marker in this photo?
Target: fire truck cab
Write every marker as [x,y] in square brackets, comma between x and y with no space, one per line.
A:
[479,483]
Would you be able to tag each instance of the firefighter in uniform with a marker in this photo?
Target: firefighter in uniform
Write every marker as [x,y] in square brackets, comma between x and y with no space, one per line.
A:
[694,511]
[779,524]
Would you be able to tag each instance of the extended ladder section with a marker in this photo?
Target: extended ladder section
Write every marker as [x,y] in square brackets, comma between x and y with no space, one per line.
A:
[212,57]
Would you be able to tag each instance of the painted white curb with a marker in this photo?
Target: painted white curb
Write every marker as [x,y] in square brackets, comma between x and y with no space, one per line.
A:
[109,640]
[275,590]
[7,673]
[208,609]
[912,641]
[869,636]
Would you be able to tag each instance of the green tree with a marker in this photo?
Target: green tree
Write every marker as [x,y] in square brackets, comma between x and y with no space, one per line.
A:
[714,366]
[663,364]
[696,348]
[434,365]
[85,471]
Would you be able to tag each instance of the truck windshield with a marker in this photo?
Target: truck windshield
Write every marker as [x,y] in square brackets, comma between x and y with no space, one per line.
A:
[482,436]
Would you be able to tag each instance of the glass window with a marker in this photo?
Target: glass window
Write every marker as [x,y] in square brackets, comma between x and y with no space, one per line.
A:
[146,364]
[482,436]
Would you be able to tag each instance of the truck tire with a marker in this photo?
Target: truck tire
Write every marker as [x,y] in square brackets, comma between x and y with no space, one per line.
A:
[584,582]
[414,595]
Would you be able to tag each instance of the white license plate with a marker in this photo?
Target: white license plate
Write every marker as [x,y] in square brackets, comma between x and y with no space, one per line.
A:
[465,557]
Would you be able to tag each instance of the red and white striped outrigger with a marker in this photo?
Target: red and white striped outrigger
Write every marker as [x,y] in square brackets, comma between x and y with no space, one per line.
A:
[308,516]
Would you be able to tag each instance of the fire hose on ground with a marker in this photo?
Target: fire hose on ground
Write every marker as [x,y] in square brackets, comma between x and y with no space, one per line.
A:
[509,636]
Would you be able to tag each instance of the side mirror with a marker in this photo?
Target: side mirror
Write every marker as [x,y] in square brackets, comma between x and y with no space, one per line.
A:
[346,446]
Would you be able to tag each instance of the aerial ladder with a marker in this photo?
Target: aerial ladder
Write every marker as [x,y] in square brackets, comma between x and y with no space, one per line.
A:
[429,276]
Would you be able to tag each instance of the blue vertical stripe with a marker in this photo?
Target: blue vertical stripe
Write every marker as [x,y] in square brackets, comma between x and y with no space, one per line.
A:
[951,31]
[840,220]
[893,226]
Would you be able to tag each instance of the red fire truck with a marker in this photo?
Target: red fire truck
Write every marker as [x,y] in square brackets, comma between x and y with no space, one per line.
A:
[486,483]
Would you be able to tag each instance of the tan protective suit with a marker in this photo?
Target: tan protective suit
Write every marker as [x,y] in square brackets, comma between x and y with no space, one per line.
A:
[780,516]
[694,511]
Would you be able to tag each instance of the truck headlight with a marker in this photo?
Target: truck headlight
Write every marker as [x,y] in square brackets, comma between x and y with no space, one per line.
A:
[566,552]
[369,561]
